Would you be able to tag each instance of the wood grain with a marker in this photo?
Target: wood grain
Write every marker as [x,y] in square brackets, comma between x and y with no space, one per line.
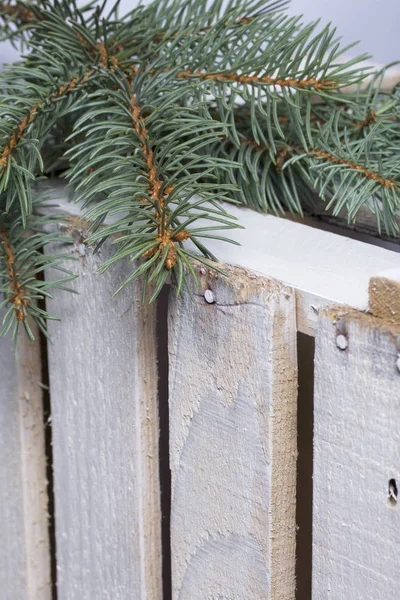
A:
[356,541]
[384,296]
[324,268]
[103,383]
[24,546]
[233,439]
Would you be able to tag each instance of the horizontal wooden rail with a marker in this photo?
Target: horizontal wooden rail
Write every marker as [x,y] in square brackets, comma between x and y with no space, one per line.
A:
[323,267]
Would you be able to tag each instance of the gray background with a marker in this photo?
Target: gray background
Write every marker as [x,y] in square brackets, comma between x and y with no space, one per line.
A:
[374,23]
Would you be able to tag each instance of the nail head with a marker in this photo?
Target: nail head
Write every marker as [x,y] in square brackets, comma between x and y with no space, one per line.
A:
[341,342]
[209,297]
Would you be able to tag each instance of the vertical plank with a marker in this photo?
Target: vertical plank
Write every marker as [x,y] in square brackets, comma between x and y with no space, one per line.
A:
[356,535]
[103,382]
[233,439]
[24,545]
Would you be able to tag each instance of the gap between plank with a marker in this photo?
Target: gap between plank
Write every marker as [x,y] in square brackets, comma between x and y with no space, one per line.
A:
[304,485]
[48,435]
[163,444]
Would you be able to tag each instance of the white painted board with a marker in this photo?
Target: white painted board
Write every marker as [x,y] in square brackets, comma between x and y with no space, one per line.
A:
[233,392]
[24,540]
[323,267]
[356,517]
[103,386]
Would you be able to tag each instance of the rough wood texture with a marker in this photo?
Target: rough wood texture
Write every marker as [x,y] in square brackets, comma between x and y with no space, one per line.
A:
[384,296]
[24,547]
[233,391]
[323,267]
[356,542]
[103,380]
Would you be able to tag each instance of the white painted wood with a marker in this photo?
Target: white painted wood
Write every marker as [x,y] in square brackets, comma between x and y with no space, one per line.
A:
[233,389]
[356,534]
[24,540]
[103,381]
[323,267]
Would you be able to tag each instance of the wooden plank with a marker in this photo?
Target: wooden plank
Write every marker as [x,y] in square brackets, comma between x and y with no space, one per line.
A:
[356,543]
[233,392]
[24,548]
[323,267]
[103,381]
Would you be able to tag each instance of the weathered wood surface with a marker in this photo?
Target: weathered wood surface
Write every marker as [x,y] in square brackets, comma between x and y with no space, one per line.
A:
[356,541]
[233,391]
[103,381]
[384,296]
[24,541]
[324,268]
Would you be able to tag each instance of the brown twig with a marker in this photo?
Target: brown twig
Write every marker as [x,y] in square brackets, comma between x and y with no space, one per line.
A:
[386,183]
[18,298]
[21,13]
[22,126]
[310,82]
[100,50]
[369,119]
[165,237]
[283,154]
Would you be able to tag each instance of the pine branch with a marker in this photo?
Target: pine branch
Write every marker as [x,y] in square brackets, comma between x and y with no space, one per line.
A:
[22,262]
[17,298]
[370,119]
[17,12]
[327,156]
[20,157]
[291,82]
[161,114]
[284,169]
[143,185]
[35,110]
[166,239]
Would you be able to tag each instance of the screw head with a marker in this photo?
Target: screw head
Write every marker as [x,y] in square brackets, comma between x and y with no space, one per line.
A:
[209,297]
[341,341]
